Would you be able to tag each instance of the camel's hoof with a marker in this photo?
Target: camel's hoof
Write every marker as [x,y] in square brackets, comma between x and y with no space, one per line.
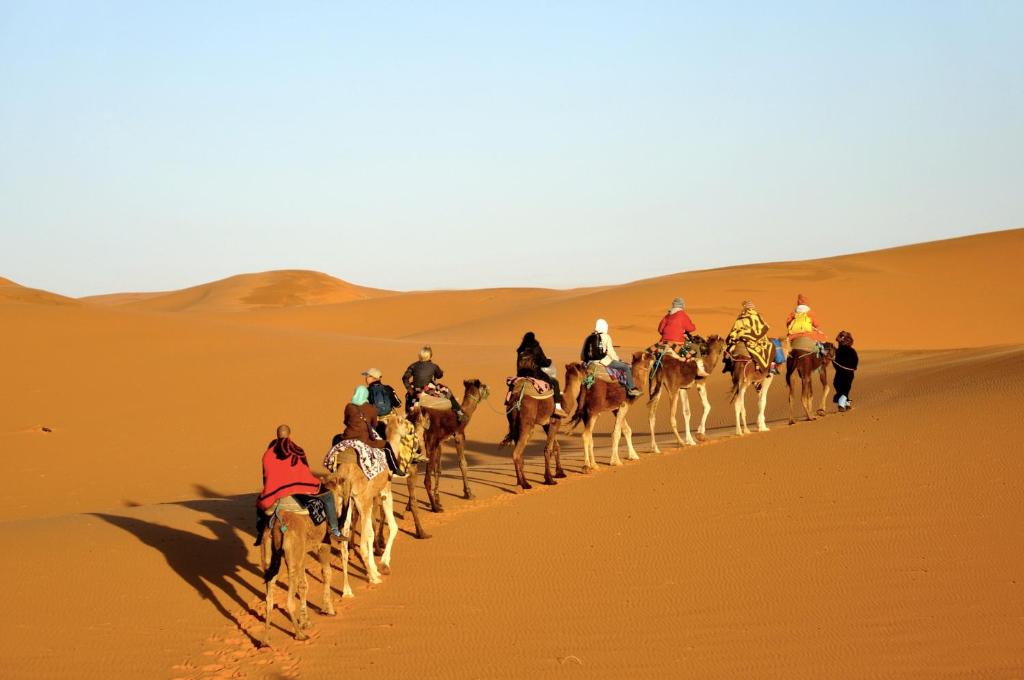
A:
[348,594]
[560,474]
[525,486]
[701,437]
[376,580]
[328,612]
[469,496]
[300,636]
[385,569]
[763,429]
[655,450]
[691,442]
[634,457]
[615,463]
[550,482]
[422,535]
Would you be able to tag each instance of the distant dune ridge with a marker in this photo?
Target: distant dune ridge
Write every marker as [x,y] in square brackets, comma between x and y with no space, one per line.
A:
[284,288]
[865,534]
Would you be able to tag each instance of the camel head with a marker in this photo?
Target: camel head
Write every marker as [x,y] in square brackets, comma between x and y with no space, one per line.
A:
[476,390]
[716,348]
[573,382]
[641,371]
[830,352]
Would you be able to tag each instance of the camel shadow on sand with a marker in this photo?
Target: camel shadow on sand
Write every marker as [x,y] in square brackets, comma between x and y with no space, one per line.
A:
[214,566]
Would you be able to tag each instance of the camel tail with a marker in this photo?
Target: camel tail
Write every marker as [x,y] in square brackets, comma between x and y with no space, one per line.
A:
[734,392]
[582,411]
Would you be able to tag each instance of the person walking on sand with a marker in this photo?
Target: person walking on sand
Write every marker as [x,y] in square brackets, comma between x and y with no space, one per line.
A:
[845,363]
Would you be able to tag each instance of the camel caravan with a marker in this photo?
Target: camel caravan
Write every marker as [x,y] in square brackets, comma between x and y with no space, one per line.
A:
[299,511]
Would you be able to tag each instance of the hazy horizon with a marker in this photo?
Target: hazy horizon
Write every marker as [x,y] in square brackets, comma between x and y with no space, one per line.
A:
[148,147]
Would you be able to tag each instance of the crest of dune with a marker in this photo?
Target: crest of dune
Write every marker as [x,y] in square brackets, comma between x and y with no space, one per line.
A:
[273,289]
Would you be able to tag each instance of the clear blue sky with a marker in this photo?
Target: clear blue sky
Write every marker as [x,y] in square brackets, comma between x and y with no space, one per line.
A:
[148,146]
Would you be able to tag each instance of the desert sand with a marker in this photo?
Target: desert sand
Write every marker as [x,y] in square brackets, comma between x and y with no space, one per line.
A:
[884,542]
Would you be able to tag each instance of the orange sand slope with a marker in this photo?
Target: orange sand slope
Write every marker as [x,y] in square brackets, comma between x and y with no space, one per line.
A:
[880,542]
[290,288]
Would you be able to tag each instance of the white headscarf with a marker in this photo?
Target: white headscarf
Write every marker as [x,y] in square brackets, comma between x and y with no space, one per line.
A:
[601,326]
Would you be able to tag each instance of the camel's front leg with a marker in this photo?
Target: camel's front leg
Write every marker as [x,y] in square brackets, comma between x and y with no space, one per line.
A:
[652,418]
[789,384]
[294,558]
[366,544]
[588,446]
[741,416]
[431,475]
[387,502]
[411,505]
[346,587]
[324,554]
[684,396]
[628,431]
[460,442]
[550,449]
[807,395]
[824,390]
[517,458]
[267,550]
[616,436]
[557,449]
[762,403]
[702,390]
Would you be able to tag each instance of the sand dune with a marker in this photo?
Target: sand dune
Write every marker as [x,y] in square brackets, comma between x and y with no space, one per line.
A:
[881,542]
[286,288]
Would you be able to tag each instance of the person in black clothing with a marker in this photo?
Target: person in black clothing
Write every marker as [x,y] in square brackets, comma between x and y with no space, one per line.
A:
[845,364]
[424,374]
[531,362]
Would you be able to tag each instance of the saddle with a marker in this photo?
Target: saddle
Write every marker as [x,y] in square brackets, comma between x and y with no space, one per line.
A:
[434,402]
[527,387]
[598,371]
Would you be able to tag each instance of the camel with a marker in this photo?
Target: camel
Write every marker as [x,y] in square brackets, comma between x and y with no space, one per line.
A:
[290,538]
[436,427]
[806,363]
[746,372]
[525,413]
[363,495]
[599,397]
[677,377]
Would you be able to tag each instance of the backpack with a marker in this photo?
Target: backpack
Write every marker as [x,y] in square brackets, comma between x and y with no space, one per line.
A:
[592,349]
[801,323]
[526,361]
[380,399]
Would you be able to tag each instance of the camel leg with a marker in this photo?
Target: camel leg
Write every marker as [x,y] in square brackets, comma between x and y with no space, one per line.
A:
[324,554]
[737,404]
[762,402]
[411,505]
[588,446]
[517,457]
[702,390]
[673,421]
[378,536]
[684,396]
[460,442]
[433,464]
[824,390]
[652,417]
[293,558]
[366,542]
[551,430]
[557,449]
[267,550]
[346,587]
[789,384]
[628,431]
[387,503]
[616,436]
[806,394]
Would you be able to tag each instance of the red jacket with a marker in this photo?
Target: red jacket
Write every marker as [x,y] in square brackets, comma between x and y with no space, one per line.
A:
[674,327]
[285,471]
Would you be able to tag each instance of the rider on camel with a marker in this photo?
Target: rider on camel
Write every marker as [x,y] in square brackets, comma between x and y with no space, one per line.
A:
[802,327]
[531,362]
[606,355]
[286,472]
[675,329]
[749,338]
[422,376]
